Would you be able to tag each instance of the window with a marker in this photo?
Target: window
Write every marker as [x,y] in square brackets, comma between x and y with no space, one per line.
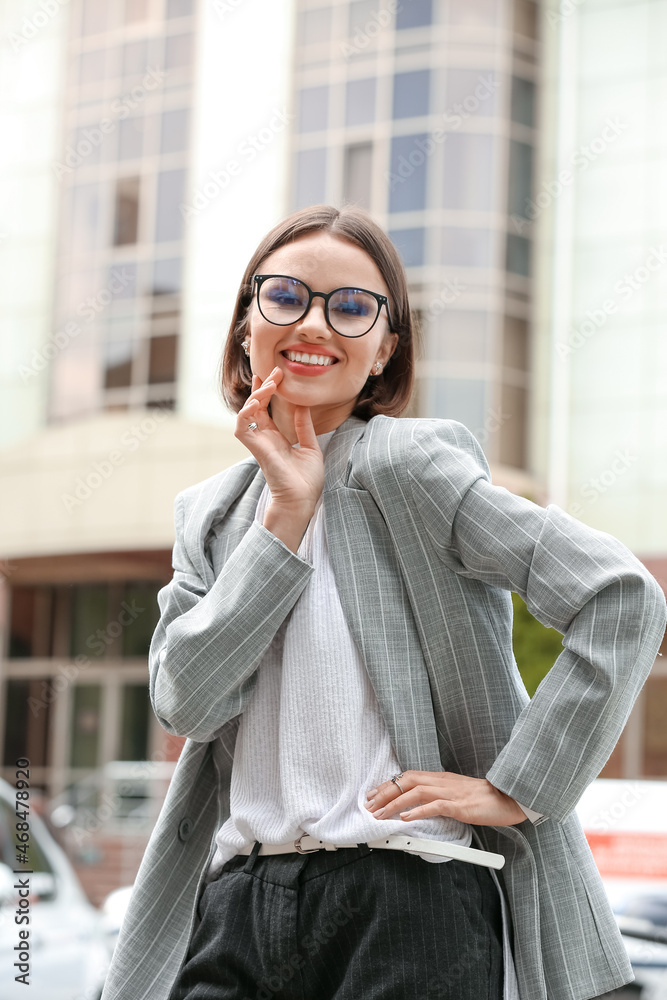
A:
[314,26]
[167,276]
[94,19]
[313,109]
[525,18]
[118,359]
[358,170]
[361,16]
[135,715]
[84,746]
[460,399]
[411,93]
[520,178]
[473,13]
[89,619]
[414,14]
[310,177]
[135,10]
[130,138]
[515,343]
[22,622]
[471,92]
[512,450]
[360,102]
[142,614]
[410,245]
[162,359]
[174,136]
[87,142]
[127,211]
[178,52]
[85,218]
[135,58]
[523,101]
[461,334]
[468,171]
[179,8]
[169,223]
[27,723]
[466,247]
[91,66]
[121,280]
[655,728]
[407,180]
[517,260]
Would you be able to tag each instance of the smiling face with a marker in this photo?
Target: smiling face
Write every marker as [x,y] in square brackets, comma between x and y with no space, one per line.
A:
[323,262]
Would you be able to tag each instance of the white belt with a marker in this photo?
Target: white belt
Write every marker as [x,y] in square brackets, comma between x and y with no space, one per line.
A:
[306,844]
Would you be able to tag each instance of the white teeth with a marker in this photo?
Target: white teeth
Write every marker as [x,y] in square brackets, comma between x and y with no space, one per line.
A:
[310,359]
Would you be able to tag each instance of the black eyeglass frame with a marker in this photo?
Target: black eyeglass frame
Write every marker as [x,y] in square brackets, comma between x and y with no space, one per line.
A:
[382,300]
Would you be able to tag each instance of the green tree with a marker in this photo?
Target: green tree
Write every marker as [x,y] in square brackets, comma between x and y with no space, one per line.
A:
[535,646]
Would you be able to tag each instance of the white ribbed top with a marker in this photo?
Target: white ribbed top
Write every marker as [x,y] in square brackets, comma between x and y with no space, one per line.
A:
[312,740]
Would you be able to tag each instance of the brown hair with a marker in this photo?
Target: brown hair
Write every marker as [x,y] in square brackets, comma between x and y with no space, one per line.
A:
[388,393]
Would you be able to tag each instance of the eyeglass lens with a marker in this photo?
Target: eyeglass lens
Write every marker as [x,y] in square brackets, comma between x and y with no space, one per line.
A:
[285,300]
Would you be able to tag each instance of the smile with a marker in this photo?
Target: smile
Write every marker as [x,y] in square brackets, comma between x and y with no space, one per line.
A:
[309,359]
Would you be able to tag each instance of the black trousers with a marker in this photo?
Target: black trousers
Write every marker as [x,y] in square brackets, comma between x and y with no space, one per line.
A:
[352,924]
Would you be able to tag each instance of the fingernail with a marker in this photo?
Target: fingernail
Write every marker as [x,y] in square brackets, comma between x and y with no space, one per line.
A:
[380,812]
[372,792]
[369,805]
[406,813]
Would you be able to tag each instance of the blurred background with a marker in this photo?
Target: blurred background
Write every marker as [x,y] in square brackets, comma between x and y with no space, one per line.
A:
[516,153]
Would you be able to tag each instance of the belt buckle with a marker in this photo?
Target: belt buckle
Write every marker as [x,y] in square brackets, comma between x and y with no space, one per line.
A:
[303,850]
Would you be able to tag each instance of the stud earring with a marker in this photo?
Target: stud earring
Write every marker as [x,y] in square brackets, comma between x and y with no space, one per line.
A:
[377,368]
[245,344]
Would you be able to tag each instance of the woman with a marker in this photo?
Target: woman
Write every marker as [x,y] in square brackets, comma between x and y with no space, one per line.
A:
[336,646]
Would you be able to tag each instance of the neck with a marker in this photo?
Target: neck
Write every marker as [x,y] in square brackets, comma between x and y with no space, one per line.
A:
[324,420]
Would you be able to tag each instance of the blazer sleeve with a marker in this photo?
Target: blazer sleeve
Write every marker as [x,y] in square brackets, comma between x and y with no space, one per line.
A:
[581,581]
[208,642]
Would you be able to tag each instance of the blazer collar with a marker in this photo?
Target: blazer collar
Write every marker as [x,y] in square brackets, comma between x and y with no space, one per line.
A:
[339,452]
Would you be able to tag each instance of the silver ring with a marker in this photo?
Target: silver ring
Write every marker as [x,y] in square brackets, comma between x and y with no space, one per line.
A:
[395,780]
[252,426]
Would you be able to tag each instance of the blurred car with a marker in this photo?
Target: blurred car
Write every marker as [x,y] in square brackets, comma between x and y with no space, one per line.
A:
[69,943]
[625,822]
[640,909]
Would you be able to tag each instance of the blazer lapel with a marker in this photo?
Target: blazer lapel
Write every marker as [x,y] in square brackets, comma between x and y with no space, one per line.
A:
[376,606]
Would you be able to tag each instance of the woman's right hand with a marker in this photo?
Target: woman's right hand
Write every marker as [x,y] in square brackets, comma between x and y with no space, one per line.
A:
[295,476]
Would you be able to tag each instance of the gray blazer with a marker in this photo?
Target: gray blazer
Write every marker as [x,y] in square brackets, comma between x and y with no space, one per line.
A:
[416,533]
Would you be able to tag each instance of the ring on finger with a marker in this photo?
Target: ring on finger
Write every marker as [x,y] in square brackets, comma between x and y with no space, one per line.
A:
[252,426]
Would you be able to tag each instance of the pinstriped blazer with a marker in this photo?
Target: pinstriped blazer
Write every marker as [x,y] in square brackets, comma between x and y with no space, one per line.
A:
[418,535]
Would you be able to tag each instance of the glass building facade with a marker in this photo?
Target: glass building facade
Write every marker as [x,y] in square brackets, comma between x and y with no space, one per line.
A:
[122,175]
[424,113]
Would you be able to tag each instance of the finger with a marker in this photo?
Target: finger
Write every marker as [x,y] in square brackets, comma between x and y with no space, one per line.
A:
[265,390]
[389,789]
[303,425]
[417,796]
[438,807]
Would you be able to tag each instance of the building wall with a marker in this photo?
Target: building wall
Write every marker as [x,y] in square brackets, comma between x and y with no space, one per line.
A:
[123,241]
[32,71]
[602,295]
[424,114]
[598,215]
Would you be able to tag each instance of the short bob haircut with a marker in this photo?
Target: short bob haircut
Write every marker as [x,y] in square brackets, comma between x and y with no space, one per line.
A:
[388,393]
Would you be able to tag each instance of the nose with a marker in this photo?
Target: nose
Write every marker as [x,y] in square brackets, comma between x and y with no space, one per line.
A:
[314,323]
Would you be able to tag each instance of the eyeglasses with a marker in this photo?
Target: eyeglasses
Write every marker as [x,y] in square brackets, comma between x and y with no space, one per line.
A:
[351,312]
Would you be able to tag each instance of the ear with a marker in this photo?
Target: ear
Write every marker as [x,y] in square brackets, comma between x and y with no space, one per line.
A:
[388,347]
